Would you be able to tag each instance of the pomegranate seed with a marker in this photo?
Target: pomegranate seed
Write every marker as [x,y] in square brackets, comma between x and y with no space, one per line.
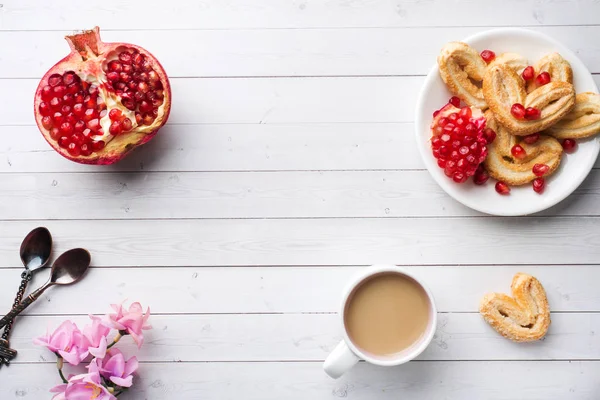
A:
[124,77]
[454,100]
[73,149]
[126,124]
[532,113]
[128,103]
[115,66]
[73,88]
[86,149]
[68,99]
[538,185]
[459,177]
[85,85]
[531,139]
[112,76]
[453,117]
[518,152]
[79,126]
[55,103]
[435,113]
[78,109]
[44,108]
[55,133]
[528,73]
[114,114]
[69,78]
[63,141]
[47,93]
[97,146]
[502,188]
[78,139]
[54,80]
[153,77]
[145,107]
[127,68]
[481,176]
[465,113]
[489,135]
[488,56]
[65,110]
[138,96]
[518,111]
[143,87]
[93,91]
[59,91]
[94,124]
[87,133]
[157,103]
[57,118]
[138,120]
[79,98]
[543,78]
[90,114]
[89,102]
[569,145]
[66,128]
[138,59]
[160,94]
[147,66]
[540,169]
[148,119]
[115,128]
[103,113]
[125,57]
[72,119]
[47,122]
[132,85]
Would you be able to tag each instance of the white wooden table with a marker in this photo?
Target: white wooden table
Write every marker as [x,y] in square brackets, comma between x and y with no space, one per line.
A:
[288,164]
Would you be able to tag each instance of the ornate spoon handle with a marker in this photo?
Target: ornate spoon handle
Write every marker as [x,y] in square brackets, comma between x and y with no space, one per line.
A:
[25,278]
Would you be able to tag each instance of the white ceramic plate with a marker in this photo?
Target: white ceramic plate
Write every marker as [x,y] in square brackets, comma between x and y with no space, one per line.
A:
[522,200]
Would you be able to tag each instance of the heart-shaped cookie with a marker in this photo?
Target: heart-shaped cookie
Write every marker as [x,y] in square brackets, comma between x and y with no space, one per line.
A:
[582,121]
[558,68]
[503,87]
[503,166]
[525,317]
[513,60]
[462,70]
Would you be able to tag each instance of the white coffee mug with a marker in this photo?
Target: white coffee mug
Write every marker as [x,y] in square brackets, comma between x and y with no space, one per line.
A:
[346,354]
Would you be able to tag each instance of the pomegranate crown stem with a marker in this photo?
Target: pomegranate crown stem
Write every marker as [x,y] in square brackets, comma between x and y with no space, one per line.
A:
[85,42]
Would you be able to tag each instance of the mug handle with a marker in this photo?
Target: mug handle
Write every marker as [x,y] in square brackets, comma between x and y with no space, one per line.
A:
[340,360]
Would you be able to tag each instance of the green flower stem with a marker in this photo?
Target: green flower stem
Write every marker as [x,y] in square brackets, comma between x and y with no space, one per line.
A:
[59,365]
[115,340]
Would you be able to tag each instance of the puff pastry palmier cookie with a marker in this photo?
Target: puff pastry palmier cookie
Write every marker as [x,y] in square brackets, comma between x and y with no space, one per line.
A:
[513,60]
[582,121]
[462,70]
[503,88]
[525,316]
[557,67]
[503,166]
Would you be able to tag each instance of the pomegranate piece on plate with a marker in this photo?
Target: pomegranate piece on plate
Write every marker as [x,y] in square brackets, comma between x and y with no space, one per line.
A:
[102,100]
[457,141]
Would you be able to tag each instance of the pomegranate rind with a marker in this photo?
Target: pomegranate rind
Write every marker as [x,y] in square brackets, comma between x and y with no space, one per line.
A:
[89,63]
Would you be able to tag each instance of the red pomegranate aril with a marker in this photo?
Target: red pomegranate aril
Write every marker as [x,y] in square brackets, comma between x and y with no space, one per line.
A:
[153,77]
[528,73]
[125,57]
[455,101]
[543,78]
[143,87]
[112,76]
[448,128]
[126,125]
[54,80]
[47,122]
[518,152]
[138,96]
[127,68]
[488,56]
[103,113]
[44,108]
[531,139]
[93,91]
[47,93]
[68,99]
[59,91]
[465,113]
[138,59]
[518,111]
[158,102]
[63,141]
[78,98]
[55,103]
[57,118]
[148,119]
[441,163]
[569,145]
[94,124]
[502,188]
[87,133]
[65,109]
[481,176]
[66,128]
[540,169]
[489,135]
[114,114]
[90,114]
[129,104]
[55,133]
[539,184]
[138,120]
[161,95]
[453,117]
[78,109]
[115,128]
[99,145]
[89,102]
[459,177]
[86,149]
[78,139]
[73,88]
[145,107]
[460,121]
[132,86]
[115,66]
[146,66]
[79,126]
[74,149]
[124,77]
[69,78]
[72,119]
[532,113]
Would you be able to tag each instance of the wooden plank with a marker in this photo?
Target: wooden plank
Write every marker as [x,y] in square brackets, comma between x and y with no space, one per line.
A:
[262,100]
[216,14]
[311,337]
[570,288]
[541,380]
[236,147]
[191,195]
[312,52]
[562,240]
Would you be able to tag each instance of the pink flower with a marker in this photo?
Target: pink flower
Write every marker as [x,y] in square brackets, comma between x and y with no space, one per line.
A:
[67,341]
[132,321]
[95,336]
[88,386]
[60,392]
[117,370]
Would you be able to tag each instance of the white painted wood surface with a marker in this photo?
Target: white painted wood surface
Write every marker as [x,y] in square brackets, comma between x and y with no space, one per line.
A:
[289,164]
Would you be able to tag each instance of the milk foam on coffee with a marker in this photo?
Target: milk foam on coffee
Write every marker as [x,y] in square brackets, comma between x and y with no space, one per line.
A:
[386,314]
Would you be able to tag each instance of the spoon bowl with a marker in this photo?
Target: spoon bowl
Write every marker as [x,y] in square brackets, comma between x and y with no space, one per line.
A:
[36,248]
[70,267]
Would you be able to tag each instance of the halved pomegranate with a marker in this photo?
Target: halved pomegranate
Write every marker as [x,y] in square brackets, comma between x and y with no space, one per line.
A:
[102,100]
